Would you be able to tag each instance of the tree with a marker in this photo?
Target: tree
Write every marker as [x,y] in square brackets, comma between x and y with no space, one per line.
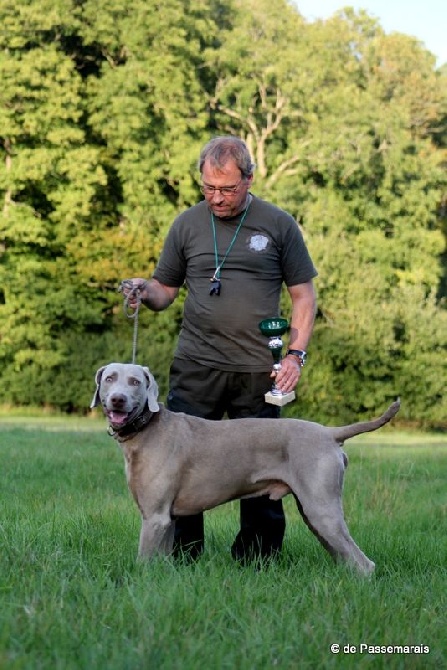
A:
[103,110]
[49,179]
[86,192]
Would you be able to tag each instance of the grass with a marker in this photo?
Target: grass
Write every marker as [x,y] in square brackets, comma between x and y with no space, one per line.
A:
[72,595]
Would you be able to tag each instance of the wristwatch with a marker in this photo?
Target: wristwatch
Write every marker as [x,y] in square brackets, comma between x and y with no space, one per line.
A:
[299,354]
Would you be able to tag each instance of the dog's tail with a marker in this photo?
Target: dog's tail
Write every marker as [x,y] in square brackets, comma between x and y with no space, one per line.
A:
[343,433]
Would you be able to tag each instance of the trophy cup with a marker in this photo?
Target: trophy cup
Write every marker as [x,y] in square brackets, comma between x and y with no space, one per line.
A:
[273,329]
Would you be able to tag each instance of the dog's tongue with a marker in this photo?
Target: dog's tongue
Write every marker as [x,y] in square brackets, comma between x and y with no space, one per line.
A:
[118,418]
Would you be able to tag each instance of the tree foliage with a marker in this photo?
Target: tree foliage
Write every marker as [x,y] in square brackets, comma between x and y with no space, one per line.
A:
[103,110]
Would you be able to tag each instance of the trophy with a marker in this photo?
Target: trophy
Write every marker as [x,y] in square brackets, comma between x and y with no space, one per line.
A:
[273,329]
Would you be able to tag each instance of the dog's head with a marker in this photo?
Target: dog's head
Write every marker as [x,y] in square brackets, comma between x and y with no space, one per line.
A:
[123,389]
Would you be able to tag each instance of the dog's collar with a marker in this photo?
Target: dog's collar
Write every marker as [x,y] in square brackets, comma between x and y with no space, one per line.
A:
[133,427]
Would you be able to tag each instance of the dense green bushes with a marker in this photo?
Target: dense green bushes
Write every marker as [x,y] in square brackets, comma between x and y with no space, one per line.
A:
[102,115]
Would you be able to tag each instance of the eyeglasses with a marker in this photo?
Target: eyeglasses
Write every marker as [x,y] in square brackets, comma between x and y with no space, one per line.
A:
[224,190]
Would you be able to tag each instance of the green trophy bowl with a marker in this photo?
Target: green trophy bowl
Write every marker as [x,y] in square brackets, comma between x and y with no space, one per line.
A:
[273,328]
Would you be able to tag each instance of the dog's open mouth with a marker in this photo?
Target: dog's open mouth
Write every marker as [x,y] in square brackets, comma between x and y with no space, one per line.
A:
[117,418]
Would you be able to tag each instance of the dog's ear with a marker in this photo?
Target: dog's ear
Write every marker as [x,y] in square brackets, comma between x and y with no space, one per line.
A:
[152,391]
[96,399]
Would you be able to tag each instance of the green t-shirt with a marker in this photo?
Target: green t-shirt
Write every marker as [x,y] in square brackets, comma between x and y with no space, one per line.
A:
[222,331]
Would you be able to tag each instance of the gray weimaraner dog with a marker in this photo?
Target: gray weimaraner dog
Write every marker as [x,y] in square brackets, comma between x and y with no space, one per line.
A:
[179,465]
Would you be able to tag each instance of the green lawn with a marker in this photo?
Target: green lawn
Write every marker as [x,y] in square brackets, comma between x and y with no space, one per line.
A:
[73,596]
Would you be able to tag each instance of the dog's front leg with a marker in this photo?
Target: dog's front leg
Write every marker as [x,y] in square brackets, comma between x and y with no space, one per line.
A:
[156,537]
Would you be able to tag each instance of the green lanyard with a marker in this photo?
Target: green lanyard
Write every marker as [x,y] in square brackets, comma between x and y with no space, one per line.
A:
[219,266]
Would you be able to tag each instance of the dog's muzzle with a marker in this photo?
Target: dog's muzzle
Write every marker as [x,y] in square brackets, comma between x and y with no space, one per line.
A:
[116,411]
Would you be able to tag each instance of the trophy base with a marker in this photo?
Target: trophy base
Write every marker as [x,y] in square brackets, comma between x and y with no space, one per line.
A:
[279,399]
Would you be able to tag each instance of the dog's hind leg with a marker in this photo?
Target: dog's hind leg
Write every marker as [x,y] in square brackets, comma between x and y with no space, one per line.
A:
[319,500]
[329,526]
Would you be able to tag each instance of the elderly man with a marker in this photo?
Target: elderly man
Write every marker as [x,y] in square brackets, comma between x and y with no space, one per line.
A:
[233,251]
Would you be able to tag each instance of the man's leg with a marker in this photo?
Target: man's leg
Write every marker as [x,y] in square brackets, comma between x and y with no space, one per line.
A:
[262,529]
[262,520]
[189,536]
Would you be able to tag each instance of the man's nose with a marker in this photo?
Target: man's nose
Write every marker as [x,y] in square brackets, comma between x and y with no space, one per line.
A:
[217,196]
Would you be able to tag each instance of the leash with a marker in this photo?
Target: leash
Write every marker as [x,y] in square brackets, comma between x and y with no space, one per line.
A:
[130,312]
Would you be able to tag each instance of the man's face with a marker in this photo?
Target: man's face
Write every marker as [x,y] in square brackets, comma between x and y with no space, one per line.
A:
[235,188]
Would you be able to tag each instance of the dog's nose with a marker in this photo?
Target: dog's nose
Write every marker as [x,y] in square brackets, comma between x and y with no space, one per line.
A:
[118,399]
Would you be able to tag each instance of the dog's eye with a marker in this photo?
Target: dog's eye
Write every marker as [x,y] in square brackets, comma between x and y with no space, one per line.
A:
[135,382]
[108,379]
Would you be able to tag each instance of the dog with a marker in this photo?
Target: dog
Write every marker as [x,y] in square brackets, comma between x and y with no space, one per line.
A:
[178,464]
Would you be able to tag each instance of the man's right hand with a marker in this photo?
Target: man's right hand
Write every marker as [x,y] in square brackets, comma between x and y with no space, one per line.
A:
[134,291]
[151,293]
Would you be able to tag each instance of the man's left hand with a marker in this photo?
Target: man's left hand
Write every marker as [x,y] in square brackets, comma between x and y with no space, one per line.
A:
[288,377]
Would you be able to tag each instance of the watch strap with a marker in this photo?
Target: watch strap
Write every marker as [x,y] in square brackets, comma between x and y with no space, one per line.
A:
[299,354]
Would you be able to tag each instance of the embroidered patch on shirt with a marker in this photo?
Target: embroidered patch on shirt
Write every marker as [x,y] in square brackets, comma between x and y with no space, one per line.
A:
[258,242]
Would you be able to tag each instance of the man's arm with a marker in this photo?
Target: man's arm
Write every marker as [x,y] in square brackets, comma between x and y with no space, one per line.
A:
[304,306]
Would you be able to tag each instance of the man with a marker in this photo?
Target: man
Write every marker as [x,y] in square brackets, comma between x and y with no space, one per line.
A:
[233,251]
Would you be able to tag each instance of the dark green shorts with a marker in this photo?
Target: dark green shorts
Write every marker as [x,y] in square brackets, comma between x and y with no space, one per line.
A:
[202,391]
